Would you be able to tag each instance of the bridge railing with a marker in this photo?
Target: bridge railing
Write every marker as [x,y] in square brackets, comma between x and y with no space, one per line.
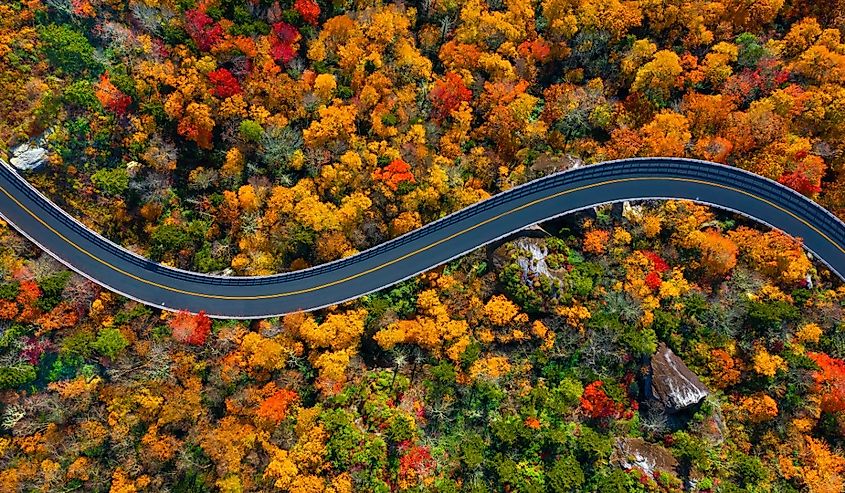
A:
[782,197]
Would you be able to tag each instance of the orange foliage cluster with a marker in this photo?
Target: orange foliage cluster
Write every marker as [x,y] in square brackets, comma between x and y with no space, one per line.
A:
[760,407]
[829,382]
[394,174]
[111,97]
[724,368]
[595,241]
[275,407]
[191,329]
[23,307]
[774,253]
[718,253]
[812,463]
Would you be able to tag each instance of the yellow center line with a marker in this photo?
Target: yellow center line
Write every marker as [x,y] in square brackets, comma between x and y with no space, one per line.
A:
[419,250]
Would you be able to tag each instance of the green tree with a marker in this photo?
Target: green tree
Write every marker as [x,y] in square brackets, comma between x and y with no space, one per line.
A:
[169,238]
[110,342]
[80,93]
[750,50]
[68,49]
[16,375]
[565,475]
[111,181]
[472,450]
[78,343]
[9,290]
[51,290]
[251,131]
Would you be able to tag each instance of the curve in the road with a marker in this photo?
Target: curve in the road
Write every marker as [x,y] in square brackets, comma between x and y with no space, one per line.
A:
[133,276]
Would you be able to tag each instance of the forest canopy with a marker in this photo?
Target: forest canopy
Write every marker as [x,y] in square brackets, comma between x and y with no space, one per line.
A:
[250,137]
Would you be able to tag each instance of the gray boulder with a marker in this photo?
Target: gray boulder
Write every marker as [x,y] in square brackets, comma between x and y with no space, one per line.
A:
[672,384]
[27,157]
[632,453]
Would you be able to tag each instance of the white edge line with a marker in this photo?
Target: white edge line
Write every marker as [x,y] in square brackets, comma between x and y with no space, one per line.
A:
[571,211]
[280,276]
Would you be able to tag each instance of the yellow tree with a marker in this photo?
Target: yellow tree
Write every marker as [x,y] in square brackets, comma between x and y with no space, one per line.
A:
[718,253]
[774,253]
[666,135]
[659,77]
[433,329]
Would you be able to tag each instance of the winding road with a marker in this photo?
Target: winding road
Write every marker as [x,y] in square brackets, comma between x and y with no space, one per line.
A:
[135,277]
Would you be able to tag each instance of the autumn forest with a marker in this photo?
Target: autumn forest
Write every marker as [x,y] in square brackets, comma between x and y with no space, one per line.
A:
[640,347]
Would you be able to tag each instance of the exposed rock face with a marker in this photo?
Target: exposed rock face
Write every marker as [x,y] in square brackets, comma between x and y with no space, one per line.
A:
[637,453]
[673,385]
[499,255]
[547,163]
[535,260]
[27,157]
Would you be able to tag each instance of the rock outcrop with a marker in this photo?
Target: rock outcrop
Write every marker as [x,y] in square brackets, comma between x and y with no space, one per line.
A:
[548,163]
[527,239]
[671,384]
[28,157]
[633,453]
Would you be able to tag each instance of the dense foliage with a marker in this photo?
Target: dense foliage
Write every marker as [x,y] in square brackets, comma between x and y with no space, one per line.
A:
[255,136]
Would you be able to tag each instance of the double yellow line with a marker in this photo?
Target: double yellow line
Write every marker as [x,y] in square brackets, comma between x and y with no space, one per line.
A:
[415,252]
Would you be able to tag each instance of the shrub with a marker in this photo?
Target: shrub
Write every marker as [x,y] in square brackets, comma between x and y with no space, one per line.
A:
[9,290]
[78,344]
[17,375]
[251,131]
[51,290]
[80,93]
[110,342]
[111,182]
[168,238]
[472,450]
[568,393]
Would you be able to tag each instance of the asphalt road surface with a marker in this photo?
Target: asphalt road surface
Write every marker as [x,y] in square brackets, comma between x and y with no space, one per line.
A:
[434,244]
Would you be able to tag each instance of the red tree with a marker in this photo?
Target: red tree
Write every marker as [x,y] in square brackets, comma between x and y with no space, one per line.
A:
[202,29]
[281,46]
[225,84]
[597,404]
[414,459]
[34,349]
[191,329]
[658,267]
[309,10]
[806,178]
[653,281]
[448,94]
[658,264]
